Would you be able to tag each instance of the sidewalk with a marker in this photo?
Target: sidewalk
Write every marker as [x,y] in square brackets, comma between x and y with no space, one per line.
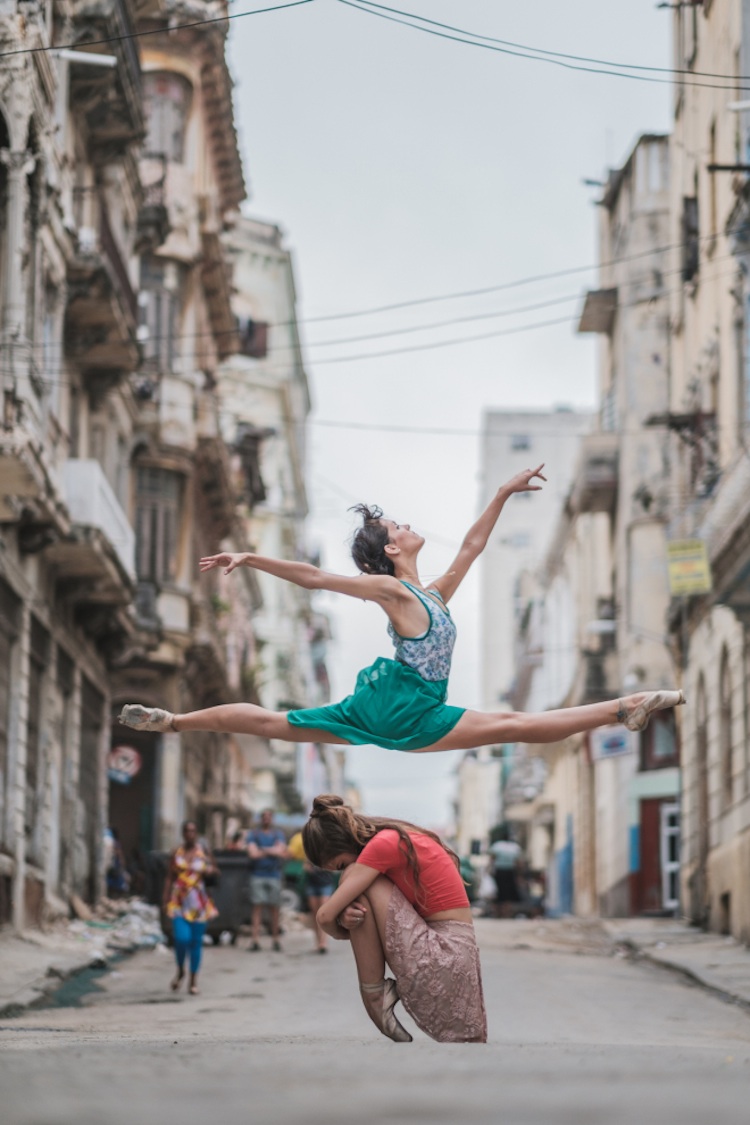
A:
[33,963]
[718,963]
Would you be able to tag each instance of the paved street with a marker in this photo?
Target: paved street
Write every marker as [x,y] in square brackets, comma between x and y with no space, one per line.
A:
[578,1034]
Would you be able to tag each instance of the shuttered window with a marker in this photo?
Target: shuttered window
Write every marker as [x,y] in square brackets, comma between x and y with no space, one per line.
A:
[157,524]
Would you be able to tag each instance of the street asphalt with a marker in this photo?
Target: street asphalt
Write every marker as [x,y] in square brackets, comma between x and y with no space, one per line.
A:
[580,1034]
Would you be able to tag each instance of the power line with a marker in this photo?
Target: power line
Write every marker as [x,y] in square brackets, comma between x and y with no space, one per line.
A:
[561,54]
[63,369]
[474,41]
[447,343]
[532,279]
[151,31]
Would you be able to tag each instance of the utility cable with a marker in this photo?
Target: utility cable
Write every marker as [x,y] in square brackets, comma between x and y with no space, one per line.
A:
[560,54]
[78,46]
[475,42]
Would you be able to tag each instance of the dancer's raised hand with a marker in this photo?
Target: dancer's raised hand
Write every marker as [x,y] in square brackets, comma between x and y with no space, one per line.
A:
[521,482]
[226,559]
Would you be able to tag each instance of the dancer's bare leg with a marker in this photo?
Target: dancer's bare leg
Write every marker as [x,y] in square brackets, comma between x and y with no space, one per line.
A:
[477,729]
[233,718]
[368,939]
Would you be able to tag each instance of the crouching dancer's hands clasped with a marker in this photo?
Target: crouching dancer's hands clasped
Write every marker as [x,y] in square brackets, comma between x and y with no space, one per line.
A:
[353,915]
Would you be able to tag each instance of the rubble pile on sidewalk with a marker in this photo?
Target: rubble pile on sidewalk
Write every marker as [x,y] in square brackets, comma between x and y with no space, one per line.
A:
[116,926]
[33,963]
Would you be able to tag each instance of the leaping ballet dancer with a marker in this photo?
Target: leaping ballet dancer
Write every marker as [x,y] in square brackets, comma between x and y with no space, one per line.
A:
[399,703]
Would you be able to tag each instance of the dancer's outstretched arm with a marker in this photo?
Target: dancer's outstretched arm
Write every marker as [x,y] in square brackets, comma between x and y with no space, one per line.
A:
[478,535]
[380,588]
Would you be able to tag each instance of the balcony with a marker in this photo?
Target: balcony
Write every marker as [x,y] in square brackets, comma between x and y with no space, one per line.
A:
[215,275]
[153,216]
[595,482]
[27,493]
[110,99]
[102,311]
[95,563]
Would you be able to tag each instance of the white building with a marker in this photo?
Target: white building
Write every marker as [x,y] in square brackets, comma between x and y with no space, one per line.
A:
[265,403]
[513,441]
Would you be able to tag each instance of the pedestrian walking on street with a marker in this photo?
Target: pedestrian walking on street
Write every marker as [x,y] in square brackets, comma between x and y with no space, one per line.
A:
[266,847]
[507,861]
[401,902]
[187,903]
[318,890]
[400,703]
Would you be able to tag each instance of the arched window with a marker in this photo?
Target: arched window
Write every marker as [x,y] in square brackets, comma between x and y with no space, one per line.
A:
[725,730]
[167,100]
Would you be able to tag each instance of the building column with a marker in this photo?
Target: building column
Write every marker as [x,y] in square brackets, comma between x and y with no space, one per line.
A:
[170,804]
[19,165]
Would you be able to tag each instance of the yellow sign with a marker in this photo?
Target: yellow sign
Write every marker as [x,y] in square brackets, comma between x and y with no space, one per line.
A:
[689,569]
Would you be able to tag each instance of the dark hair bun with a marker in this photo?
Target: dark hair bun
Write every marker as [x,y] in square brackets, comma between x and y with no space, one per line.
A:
[326,801]
[369,542]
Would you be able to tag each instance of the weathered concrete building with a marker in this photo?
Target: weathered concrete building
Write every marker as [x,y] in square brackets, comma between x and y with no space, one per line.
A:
[606,823]
[707,423]
[120,175]
[72,200]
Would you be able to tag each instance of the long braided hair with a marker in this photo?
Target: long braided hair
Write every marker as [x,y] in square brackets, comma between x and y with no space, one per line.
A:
[334,828]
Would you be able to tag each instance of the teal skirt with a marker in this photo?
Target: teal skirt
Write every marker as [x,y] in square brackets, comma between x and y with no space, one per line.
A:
[391,706]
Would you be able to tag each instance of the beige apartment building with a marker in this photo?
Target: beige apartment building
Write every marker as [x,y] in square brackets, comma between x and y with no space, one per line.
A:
[707,425]
[594,626]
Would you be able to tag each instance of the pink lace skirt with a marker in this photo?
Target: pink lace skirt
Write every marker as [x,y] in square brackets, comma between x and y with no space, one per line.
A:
[436,966]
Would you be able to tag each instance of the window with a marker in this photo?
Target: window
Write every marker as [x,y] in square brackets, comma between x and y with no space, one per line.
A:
[519,442]
[253,335]
[659,748]
[10,622]
[167,101]
[158,304]
[38,657]
[712,205]
[725,730]
[520,538]
[690,237]
[157,524]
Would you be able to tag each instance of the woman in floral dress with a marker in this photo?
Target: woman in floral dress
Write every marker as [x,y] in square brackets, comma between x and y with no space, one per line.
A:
[187,903]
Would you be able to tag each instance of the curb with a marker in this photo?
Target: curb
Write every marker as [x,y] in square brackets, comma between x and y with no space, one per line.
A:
[637,953]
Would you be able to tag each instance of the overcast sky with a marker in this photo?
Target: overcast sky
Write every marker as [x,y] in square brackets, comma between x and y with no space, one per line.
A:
[405,166]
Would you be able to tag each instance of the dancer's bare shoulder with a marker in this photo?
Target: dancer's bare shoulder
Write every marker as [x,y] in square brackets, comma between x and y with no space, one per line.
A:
[380,588]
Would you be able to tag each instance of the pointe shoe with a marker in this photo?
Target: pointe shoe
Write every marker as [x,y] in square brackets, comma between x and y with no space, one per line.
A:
[138,717]
[385,1020]
[638,718]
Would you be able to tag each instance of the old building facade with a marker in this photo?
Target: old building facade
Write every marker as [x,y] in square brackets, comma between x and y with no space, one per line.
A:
[707,425]
[120,177]
[606,822]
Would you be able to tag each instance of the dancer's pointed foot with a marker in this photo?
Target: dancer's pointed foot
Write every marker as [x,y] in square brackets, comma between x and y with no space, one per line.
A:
[175,984]
[380,1000]
[138,717]
[636,715]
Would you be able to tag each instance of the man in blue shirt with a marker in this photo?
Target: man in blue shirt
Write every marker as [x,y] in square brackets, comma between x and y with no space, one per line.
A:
[266,847]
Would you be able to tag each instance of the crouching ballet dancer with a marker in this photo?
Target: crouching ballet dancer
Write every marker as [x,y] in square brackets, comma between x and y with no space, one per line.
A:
[400,703]
[402,902]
